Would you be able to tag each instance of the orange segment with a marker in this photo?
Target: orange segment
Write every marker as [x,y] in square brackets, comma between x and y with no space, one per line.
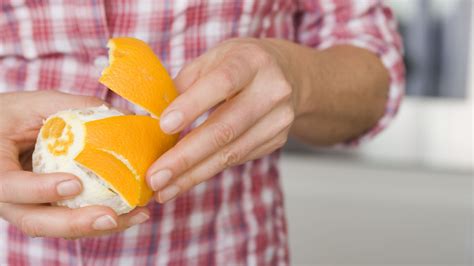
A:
[53,128]
[60,134]
[137,139]
[136,74]
[116,174]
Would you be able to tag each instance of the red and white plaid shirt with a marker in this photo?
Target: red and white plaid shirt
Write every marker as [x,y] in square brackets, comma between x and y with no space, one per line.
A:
[235,218]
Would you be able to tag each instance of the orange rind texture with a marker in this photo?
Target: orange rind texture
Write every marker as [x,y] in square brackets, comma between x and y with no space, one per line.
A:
[136,142]
[112,171]
[136,74]
[114,148]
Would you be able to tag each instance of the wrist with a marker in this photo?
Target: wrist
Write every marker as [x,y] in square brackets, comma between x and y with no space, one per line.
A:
[298,65]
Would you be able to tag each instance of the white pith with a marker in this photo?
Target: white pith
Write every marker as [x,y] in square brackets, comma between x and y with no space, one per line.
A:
[95,190]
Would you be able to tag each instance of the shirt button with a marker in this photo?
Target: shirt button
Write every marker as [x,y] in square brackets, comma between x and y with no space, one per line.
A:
[101,61]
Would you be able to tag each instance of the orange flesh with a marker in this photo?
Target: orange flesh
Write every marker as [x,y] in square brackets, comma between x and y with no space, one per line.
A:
[54,129]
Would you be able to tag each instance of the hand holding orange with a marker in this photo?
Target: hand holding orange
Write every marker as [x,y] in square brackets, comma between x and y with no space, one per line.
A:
[108,151]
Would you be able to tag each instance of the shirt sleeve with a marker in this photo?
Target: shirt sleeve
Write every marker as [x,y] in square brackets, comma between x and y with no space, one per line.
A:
[366,24]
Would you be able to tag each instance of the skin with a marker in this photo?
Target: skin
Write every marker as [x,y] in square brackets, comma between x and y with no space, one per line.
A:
[23,194]
[261,90]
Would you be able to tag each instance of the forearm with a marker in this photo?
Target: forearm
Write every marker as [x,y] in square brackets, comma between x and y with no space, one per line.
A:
[341,91]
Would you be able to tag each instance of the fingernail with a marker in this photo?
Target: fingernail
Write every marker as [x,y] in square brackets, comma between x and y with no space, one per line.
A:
[69,188]
[168,193]
[160,179]
[139,218]
[105,222]
[171,121]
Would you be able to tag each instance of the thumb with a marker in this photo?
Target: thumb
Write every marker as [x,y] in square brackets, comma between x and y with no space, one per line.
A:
[22,113]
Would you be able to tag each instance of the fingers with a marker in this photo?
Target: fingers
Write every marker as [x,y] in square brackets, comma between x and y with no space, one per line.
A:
[46,103]
[219,84]
[125,221]
[38,220]
[193,70]
[272,129]
[9,155]
[23,113]
[226,124]
[274,144]
[258,108]
[189,74]
[27,187]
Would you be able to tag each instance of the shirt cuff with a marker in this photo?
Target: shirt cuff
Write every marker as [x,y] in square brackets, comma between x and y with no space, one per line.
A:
[392,59]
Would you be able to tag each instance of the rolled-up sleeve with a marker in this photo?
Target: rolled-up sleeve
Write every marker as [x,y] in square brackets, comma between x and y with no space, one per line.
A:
[367,24]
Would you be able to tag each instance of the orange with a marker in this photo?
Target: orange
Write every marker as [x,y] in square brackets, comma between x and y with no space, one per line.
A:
[111,152]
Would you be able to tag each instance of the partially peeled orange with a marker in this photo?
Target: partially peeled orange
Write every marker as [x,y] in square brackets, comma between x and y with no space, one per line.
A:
[108,151]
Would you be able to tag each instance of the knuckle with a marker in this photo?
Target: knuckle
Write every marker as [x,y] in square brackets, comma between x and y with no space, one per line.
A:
[183,161]
[42,190]
[78,224]
[249,45]
[29,226]
[76,228]
[189,182]
[229,82]
[7,191]
[262,58]
[282,92]
[288,117]
[281,141]
[223,134]
[257,54]
[285,88]
[230,158]
[192,69]
[47,93]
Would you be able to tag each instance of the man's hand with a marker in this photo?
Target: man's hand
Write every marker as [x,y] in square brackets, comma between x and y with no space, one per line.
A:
[257,108]
[23,194]
[262,89]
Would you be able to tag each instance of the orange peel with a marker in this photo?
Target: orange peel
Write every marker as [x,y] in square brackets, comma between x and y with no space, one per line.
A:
[136,74]
[108,151]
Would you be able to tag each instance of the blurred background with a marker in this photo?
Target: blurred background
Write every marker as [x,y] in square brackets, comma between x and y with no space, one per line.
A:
[406,197]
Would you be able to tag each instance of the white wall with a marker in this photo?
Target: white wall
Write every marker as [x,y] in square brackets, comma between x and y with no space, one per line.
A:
[434,132]
[344,212]
[437,133]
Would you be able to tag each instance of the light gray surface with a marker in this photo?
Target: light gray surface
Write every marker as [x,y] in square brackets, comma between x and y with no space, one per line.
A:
[343,212]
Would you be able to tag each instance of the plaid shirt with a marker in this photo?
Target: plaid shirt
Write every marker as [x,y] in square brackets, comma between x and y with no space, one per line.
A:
[235,218]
